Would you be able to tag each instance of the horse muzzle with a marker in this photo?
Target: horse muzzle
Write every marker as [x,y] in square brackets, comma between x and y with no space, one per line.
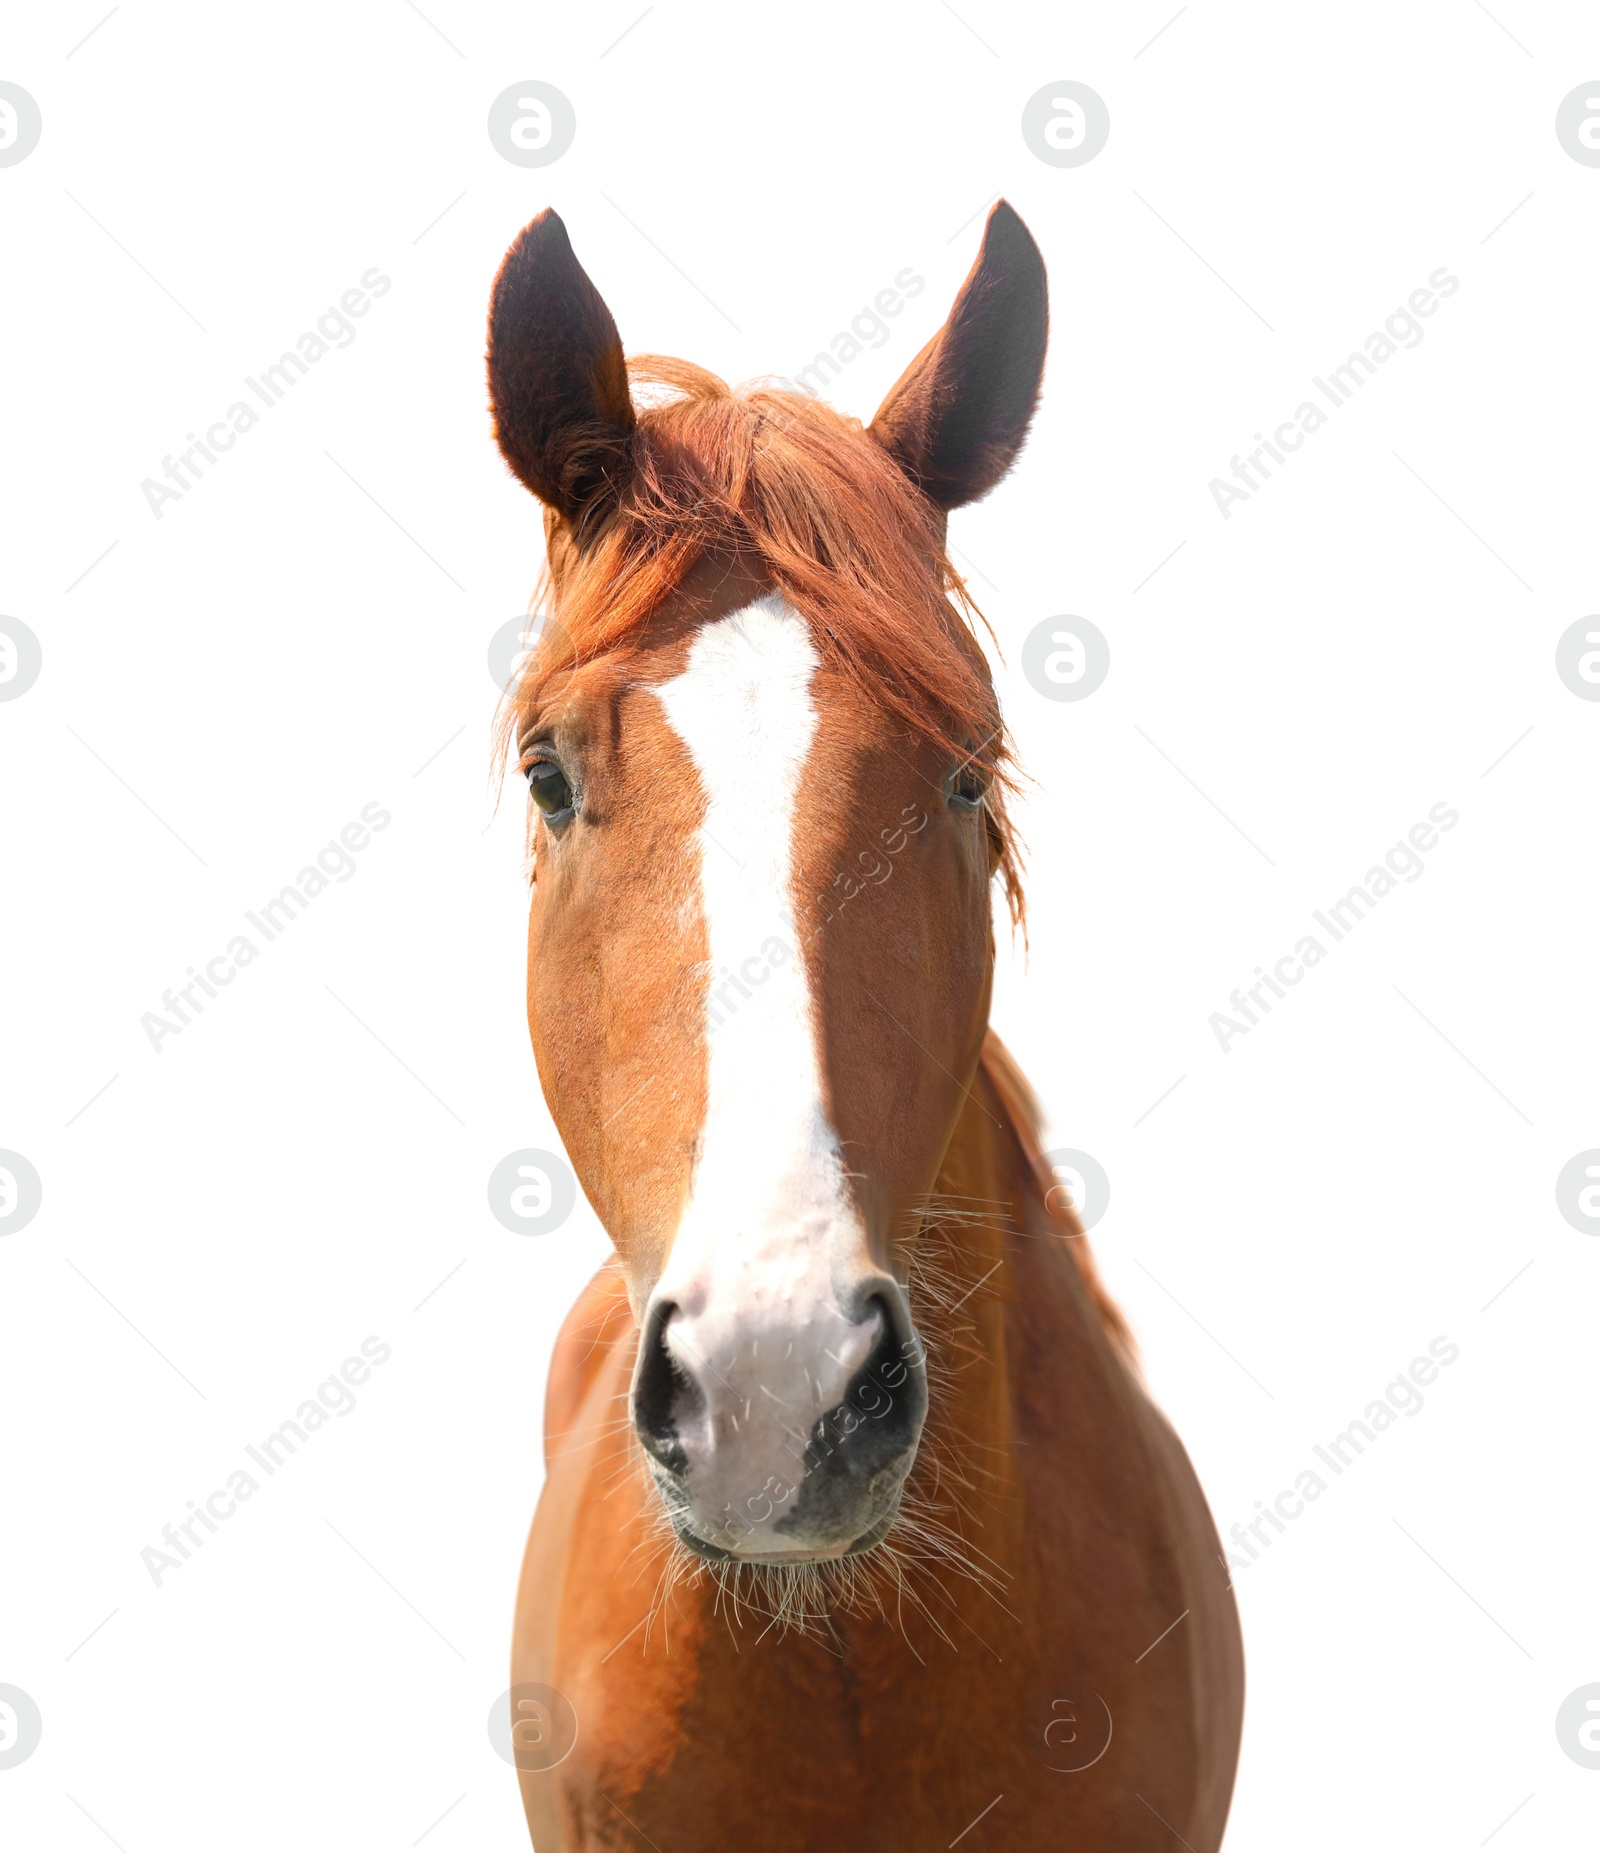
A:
[781,1440]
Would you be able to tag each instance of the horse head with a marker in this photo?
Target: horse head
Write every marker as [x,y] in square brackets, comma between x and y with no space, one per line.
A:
[768,775]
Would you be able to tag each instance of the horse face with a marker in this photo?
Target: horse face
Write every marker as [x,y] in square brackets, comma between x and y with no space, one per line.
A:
[759,959]
[758,978]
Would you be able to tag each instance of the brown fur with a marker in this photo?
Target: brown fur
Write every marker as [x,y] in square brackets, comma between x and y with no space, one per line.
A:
[1052,1529]
[891,1726]
[821,511]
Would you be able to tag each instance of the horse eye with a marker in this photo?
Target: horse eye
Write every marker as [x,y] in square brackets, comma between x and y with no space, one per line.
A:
[549,786]
[967,788]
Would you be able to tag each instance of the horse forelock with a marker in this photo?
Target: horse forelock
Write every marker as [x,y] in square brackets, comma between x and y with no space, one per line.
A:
[776,479]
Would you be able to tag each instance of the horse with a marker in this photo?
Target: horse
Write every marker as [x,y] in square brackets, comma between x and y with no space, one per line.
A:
[859,1529]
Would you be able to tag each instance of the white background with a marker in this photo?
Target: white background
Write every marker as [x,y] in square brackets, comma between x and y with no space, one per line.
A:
[306,1162]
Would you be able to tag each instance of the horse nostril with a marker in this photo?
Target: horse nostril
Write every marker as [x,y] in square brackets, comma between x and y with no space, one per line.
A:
[659,1390]
[898,1354]
[881,1414]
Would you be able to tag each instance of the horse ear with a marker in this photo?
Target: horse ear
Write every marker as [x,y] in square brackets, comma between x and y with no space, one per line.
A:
[557,383]
[956,418]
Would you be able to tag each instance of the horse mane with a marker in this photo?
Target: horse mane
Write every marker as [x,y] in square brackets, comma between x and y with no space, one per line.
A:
[777,476]
[1022,1110]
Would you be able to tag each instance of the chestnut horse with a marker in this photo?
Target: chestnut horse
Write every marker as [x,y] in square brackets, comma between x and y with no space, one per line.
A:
[859,1530]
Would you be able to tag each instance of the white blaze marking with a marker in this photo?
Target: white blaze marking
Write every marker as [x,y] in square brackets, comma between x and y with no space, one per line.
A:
[768,1211]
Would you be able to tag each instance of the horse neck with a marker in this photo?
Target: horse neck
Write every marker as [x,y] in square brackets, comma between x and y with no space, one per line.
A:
[1004,1286]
